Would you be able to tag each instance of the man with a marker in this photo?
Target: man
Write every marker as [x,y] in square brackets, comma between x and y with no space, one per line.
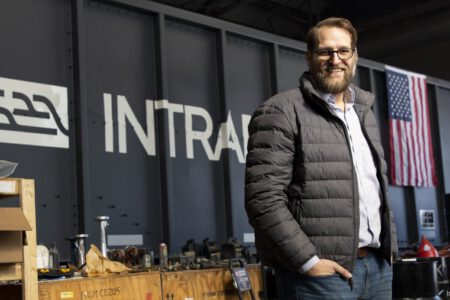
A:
[316,185]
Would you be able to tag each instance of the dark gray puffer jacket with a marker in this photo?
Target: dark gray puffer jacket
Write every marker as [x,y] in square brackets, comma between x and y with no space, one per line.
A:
[301,193]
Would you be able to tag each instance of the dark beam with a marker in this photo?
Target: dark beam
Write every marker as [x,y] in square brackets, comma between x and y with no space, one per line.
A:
[219,11]
[283,11]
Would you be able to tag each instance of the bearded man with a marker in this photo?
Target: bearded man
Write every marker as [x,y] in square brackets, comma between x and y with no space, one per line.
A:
[316,185]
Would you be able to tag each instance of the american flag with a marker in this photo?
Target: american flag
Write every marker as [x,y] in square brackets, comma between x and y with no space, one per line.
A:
[411,150]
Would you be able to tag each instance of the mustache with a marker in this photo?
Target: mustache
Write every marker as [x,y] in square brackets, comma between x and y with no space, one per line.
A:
[332,68]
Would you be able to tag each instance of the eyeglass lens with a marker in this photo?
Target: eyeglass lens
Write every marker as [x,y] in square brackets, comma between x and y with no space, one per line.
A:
[343,53]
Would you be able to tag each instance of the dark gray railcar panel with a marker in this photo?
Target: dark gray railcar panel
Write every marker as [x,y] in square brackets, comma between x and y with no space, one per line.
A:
[198,207]
[426,200]
[36,47]
[35,41]
[248,86]
[381,113]
[443,110]
[291,65]
[400,214]
[120,60]
[248,73]
[362,78]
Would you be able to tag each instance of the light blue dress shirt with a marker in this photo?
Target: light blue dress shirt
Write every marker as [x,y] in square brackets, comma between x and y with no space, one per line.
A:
[368,184]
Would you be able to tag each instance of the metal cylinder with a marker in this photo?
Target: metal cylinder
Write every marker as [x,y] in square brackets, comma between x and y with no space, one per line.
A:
[163,255]
[103,224]
[79,245]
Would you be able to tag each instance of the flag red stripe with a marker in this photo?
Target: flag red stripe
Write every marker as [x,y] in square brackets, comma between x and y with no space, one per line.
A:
[410,152]
[415,141]
[393,151]
[421,133]
[426,149]
[416,119]
[430,142]
[400,150]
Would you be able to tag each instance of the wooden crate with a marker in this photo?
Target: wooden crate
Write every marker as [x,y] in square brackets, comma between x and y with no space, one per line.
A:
[184,285]
[207,284]
[27,270]
[138,286]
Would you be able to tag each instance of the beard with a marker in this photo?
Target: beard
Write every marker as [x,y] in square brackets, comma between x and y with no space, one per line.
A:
[327,84]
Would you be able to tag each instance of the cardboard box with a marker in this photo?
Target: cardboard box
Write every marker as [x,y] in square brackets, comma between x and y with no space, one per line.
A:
[13,223]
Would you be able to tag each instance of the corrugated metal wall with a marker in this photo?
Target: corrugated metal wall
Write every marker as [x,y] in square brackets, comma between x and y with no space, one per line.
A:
[158,104]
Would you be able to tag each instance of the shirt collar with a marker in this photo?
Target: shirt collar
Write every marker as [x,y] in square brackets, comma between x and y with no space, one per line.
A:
[331,100]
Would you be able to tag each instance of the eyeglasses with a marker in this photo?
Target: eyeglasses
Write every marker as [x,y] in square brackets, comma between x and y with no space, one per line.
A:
[343,53]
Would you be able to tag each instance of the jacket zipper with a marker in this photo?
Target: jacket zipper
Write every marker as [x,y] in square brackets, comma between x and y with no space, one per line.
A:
[355,209]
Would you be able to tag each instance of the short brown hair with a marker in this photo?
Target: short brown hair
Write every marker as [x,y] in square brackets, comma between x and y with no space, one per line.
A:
[311,36]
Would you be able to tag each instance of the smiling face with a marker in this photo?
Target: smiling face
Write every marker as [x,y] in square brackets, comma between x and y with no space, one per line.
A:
[332,75]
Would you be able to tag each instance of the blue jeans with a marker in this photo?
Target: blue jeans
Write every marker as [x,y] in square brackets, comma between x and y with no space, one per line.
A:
[372,279]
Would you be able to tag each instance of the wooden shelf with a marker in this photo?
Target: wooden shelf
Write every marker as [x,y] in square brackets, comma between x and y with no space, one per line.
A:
[27,270]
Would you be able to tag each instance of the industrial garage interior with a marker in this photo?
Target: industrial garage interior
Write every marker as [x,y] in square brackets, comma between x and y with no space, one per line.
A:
[138,110]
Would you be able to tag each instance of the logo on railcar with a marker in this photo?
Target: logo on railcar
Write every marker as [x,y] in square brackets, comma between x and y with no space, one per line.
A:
[33,114]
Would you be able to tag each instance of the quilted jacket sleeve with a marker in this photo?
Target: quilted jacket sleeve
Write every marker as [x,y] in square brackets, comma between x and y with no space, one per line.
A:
[269,165]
